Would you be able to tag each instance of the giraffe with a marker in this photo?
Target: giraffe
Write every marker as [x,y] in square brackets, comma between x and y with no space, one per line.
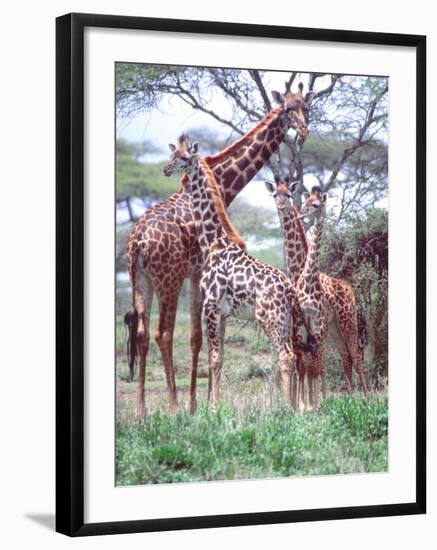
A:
[163,250]
[295,252]
[233,283]
[327,306]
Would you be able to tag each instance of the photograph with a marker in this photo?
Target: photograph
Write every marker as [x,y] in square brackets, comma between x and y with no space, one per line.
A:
[251,273]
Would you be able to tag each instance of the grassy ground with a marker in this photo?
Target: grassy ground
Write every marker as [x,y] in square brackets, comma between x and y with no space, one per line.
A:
[252,433]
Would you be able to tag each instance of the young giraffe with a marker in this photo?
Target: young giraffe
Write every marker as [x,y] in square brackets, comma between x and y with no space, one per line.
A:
[163,249]
[337,292]
[295,252]
[326,304]
[232,282]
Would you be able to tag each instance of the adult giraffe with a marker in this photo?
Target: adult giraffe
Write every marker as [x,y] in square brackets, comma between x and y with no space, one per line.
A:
[163,249]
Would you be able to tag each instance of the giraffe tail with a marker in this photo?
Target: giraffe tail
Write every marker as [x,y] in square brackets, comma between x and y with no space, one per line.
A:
[131,324]
[131,320]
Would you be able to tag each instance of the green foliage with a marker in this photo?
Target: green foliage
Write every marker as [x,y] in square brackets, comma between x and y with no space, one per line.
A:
[121,238]
[322,151]
[358,415]
[273,255]
[363,239]
[136,179]
[255,222]
[346,435]
[133,80]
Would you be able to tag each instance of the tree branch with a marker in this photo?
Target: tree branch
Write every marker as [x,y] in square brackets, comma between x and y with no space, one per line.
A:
[360,141]
[311,95]
[257,79]
[222,85]
[191,100]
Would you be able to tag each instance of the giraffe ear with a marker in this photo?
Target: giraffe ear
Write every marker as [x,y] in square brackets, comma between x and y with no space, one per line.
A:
[270,187]
[279,98]
[306,195]
[323,197]
[194,147]
[293,186]
[172,147]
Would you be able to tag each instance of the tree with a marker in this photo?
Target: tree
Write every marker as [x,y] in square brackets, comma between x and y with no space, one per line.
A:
[347,117]
[137,179]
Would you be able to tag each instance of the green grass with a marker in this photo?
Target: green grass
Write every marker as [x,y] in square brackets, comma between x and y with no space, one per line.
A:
[252,433]
[346,435]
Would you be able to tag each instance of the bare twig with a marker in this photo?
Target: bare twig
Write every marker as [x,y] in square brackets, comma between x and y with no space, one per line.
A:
[290,81]
[257,79]
[360,141]
[223,86]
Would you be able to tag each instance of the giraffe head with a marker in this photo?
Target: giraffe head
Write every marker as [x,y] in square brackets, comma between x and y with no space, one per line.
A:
[282,191]
[183,156]
[314,205]
[295,109]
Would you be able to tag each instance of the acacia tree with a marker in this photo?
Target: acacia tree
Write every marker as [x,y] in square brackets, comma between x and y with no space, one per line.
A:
[347,116]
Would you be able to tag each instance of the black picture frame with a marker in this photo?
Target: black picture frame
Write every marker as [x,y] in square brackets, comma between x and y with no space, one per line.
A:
[70,273]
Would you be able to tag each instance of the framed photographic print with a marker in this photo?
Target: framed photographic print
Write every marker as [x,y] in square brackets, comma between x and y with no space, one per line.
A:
[240,274]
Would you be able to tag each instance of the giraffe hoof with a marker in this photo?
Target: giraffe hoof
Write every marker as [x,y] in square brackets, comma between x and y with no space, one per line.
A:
[140,419]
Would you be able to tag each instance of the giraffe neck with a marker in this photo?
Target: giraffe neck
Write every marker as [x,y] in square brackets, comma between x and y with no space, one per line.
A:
[311,269]
[210,217]
[236,165]
[295,242]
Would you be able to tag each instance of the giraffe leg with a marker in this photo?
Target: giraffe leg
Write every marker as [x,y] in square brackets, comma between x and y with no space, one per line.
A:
[358,366]
[196,337]
[321,367]
[164,339]
[347,325]
[302,375]
[352,361]
[324,385]
[143,305]
[347,368]
[316,392]
[295,395]
[209,382]
[287,365]
[316,371]
[277,328]
[300,371]
[310,390]
[215,328]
